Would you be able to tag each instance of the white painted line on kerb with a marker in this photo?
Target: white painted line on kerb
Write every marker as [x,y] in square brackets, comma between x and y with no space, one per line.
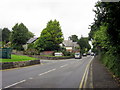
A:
[47,72]
[64,65]
[15,84]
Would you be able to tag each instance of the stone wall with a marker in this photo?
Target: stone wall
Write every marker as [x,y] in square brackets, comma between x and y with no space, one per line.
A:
[8,65]
[54,58]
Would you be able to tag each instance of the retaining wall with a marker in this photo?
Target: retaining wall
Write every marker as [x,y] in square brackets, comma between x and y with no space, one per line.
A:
[8,65]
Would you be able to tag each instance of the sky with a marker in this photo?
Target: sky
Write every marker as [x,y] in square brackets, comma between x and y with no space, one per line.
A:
[74,16]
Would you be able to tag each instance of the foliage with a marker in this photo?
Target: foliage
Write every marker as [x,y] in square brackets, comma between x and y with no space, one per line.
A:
[19,36]
[105,34]
[16,58]
[5,35]
[50,37]
[74,38]
[31,46]
[101,38]
[110,61]
[31,51]
[0,34]
[30,34]
[84,44]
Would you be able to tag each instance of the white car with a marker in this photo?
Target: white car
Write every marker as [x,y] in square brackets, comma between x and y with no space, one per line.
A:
[77,55]
[58,54]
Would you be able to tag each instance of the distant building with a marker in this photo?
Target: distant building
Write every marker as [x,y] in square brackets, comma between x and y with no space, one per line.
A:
[31,40]
[70,46]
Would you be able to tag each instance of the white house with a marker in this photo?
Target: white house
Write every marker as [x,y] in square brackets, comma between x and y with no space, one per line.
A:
[70,45]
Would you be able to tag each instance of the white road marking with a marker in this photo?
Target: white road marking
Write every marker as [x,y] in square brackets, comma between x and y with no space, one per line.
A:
[15,84]
[64,65]
[47,72]
[30,78]
[85,75]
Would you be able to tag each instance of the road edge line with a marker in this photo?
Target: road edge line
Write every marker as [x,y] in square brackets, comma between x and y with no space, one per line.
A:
[83,78]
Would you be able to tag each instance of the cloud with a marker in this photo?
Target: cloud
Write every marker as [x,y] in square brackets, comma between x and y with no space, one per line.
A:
[74,15]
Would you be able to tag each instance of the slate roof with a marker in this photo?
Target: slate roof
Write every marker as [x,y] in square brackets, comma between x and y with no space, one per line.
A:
[69,43]
[31,40]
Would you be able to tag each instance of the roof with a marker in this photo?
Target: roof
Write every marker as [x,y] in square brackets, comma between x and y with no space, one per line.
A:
[31,40]
[70,43]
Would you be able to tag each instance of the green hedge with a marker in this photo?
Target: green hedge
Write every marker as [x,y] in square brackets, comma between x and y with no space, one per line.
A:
[112,62]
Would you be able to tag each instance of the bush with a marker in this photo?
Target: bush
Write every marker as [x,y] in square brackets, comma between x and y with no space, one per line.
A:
[66,53]
[31,52]
[111,61]
[31,46]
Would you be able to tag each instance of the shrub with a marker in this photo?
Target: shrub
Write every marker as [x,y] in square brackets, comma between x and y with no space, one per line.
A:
[31,52]
[111,61]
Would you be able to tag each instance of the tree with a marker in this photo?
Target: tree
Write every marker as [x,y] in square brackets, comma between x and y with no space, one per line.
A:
[105,33]
[19,36]
[0,34]
[50,37]
[30,34]
[84,44]
[74,38]
[6,35]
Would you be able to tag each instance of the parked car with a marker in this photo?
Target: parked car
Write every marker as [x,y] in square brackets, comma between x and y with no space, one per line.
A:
[58,54]
[92,54]
[78,56]
[84,54]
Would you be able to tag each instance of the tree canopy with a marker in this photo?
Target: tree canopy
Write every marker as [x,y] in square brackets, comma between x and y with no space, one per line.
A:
[6,35]
[105,34]
[0,34]
[84,44]
[74,38]
[50,37]
[19,36]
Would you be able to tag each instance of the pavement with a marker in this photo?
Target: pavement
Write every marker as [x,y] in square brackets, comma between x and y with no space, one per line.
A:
[101,76]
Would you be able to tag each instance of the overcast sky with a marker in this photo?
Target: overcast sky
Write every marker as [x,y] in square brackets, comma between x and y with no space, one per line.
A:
[74,16]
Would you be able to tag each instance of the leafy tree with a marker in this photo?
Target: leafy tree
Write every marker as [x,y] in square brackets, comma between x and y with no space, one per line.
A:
[19,36]
[0,34]
[105,34]
[5,35]
[50,37]
[101,39]
[74,38]
[84,44]
[30,34]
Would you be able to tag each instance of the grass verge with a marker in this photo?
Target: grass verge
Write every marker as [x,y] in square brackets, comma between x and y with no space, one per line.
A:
[15,58]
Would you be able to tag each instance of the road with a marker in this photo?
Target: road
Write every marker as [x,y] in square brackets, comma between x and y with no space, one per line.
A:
[50,74]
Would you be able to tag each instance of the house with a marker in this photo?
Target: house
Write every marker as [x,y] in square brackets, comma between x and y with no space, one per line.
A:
[70,46]
[31,40]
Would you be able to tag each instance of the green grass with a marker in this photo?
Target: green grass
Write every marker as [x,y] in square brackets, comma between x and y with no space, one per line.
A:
[15,58]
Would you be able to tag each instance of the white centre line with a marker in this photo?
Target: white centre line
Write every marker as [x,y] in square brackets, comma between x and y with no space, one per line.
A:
[64,65]
[47,72]
[30,78]
[15,84]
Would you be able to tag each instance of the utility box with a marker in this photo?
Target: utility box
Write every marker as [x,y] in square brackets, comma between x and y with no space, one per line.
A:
[5,53]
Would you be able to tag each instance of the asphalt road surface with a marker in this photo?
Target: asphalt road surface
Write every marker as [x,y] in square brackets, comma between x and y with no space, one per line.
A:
[50,74]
